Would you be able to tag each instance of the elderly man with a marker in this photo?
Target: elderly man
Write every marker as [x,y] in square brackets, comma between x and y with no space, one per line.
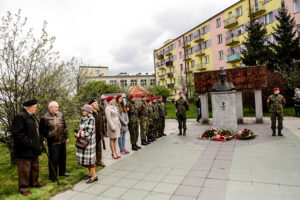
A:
[27,147]
[53,127]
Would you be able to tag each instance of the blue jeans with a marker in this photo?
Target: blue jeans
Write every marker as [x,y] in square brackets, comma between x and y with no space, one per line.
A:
[121,141]
[199,116]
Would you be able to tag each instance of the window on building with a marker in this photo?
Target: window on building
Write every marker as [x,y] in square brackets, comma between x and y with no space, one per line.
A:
[133,82]
[181,67]
[270,39]
[268,18]
[265,1]
[206,59]
[205,44]
[123,83]
[240,30]
[180,55]
[143,82]
[113,82]
[297,5]
[239,11]
[190,37]
[221,55]
[220,38]
[204,29]
[97,72]
[152,81]
[298,30]
[218,21]
[193,63]
[179,43]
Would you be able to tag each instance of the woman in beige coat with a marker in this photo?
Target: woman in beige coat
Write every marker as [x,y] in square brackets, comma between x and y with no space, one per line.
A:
[113,125]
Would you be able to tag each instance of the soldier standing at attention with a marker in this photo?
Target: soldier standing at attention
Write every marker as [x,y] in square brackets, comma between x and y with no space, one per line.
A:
[132,110]
[156,117]
[162,116]
[181,106]
[275,103]
[102,110]
[143,115]
[150,121]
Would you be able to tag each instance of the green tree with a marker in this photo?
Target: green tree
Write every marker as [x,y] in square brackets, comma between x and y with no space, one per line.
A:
[256,51]
[160,91]
[29,68]
[286,49]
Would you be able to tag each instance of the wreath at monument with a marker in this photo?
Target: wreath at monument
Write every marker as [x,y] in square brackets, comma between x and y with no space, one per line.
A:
[226,134]
[210,134]
[217,135]
[245,134]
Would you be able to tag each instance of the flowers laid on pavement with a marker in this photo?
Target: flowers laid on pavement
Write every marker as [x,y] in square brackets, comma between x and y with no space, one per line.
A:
[245,134]
[210,133]
[217,135]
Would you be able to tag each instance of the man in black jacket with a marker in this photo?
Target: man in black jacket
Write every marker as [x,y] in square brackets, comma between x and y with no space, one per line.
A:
[198,105]
[27,147]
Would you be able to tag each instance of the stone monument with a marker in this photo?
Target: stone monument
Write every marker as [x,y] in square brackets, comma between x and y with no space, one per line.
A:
[224,104]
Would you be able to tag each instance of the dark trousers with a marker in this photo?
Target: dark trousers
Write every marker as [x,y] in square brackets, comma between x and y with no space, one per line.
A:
[57,155]
[162,126]
[181,121]
[150,131]
[133,130]
[99,151]
[279,117]
[28,172]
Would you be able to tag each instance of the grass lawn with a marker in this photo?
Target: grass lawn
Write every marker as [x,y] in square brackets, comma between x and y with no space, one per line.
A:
[9,175]
[192,113]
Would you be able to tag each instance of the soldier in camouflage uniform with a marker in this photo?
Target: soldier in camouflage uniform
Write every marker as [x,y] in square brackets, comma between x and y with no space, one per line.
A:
[143,116]
[162,116]
[150,121]
[181,106]
[132,110]
[156,117]
[275,103]
[102,110]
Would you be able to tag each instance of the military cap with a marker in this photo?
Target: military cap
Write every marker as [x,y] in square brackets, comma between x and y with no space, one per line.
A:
[109,98]
[275,89]
[118,96]
[92,101]
[143,96]
[148,100]
[131,96]
[30,102]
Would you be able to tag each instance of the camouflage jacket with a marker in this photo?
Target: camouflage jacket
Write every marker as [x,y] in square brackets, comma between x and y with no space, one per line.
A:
[143,110]
[156,111]
[162,109]
[275,103]
[181,106]
[132,110]
[150,114]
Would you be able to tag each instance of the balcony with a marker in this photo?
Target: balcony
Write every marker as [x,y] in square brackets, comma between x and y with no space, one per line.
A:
[160,57]
[200,53]
[257,9]
[162,76]
[187,57]
[198,38]
[169,53]
[234,58]
[189,71]
[162,67]
[230,22]
[201,66]
[187,44]
[170,85]
[232,41]
[170,75]
[169,63]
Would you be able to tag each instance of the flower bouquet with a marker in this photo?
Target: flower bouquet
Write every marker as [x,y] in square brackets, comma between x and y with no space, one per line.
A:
[245,134]
[226,134]
[210,134]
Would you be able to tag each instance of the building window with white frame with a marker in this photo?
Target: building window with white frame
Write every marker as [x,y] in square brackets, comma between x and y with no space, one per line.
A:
[298,30]
[239,11]
[218,21]
[113,82]
[144,82]
[207,59]
[193,63]
[204,30]
[266,1]
[220,38]
[133,82]
[240,30]
[124,83]
[152,81]
[97,72]
[297,5]
[221,55]
[268,18]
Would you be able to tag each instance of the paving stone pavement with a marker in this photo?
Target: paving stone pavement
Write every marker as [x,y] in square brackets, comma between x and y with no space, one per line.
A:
[186,168]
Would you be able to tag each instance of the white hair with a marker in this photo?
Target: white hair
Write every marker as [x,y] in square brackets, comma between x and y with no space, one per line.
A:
[52,103]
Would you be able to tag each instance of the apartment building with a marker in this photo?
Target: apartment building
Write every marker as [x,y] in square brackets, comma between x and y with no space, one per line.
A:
[215,43]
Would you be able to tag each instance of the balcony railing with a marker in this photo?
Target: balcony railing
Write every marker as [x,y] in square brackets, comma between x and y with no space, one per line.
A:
[200,53]
[257,9]
[162,67]
[187,57]
[187,44]
[198,38]
[201,66]
[170,85]
[234,58]
[170,75]
[161,56]
[169,53]
[232,41]
[230,22]
[169,63]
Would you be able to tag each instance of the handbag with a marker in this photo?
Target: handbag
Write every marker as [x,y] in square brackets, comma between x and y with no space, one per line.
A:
[81,143]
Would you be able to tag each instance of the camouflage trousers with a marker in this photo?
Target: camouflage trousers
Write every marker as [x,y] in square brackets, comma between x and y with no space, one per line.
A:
[279,117]
[161,126]
[133,131]
[150,131]
[181,121]
[155,128]
[143,126]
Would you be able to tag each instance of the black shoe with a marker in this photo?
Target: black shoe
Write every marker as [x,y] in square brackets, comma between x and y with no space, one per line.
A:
[137,146]
[153,139]
[180,132]
[184,131]
[144,142]
[134,148]
[65,174]
[279,132]
[164,134]
[274,133]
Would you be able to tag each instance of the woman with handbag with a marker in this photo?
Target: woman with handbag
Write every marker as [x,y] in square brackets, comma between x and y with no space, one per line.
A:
[86,143]
[113,125]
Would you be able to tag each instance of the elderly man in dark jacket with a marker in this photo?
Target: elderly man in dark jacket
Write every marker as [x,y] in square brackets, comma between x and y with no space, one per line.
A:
[27,147]
[53,127]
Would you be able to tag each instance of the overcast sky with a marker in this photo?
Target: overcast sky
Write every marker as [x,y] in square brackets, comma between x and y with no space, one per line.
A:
[120,34]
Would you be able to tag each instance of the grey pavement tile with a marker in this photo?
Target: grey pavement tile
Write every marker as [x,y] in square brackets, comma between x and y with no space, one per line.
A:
[223,174]
[202,167]
[173,179]
[198,173]
[193,181]
[82,195]
[126,183]
[134,194]
[212,194]
[104,198]
[215,183]
[114,192]
[190,191]
[65,195]
[158,196]
[96,189]
[136,175]
[109,180]
[154,177]
[178,172]
[177,197]
[145,185]
[81,186]
[165,188]
[120,173]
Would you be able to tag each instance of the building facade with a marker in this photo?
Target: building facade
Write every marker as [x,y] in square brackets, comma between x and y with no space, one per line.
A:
[122,80]
[215,43]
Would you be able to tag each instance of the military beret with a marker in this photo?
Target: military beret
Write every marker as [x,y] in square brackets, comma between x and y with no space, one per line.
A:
[30,102]
[143,96]
[148,100]
[131,96]
[109,98]
[275,89]
[159,97]
[92,101]
[102,100]
[154,98]
[118,96]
